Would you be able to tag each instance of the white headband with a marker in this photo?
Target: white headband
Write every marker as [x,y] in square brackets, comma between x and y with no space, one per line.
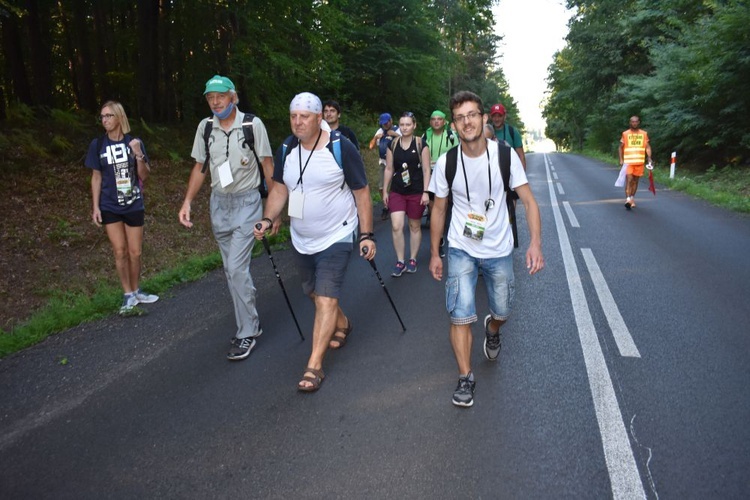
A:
[306,102]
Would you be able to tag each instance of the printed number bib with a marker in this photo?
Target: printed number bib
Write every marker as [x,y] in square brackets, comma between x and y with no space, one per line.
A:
[124,186]
[475,225]
[405,175]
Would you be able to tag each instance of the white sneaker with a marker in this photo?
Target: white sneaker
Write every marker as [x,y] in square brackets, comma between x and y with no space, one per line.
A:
[129,302]
[145,298]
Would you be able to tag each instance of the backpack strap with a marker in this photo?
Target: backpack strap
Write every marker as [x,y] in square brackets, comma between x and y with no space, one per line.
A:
[451,163]
[247,132]
[334,146]
[206,134]
[510,195]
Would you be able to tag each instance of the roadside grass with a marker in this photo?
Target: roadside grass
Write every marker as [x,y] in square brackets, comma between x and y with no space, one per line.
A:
[726,187]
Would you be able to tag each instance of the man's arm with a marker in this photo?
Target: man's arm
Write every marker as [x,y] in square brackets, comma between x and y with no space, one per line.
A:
[194,185]
[364,211]
[522,155]
[534,257]
[274,205]
[437,226]
[267,165]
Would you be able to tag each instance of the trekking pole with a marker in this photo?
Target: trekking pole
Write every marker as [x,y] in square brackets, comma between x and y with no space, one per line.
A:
[281,283]
[382,284]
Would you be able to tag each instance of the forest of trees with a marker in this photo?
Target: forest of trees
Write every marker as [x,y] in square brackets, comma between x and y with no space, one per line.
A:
[156,55]
[683,66]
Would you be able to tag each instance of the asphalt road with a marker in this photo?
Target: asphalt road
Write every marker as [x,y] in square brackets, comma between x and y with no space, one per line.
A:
[624,373]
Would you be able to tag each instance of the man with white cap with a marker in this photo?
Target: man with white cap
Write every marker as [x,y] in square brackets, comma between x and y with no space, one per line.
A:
[328,198]
[235,199]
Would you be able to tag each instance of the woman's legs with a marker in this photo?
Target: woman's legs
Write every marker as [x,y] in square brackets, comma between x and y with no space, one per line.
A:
[118,238]
[397,231]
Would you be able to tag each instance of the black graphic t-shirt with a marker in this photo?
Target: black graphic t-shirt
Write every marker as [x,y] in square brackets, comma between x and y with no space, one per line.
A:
[121,187]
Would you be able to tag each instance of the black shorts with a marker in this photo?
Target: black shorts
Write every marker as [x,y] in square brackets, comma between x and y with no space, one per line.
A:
[132,219]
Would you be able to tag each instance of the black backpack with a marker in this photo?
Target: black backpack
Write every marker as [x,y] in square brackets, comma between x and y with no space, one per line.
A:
[451,162]
[247,131]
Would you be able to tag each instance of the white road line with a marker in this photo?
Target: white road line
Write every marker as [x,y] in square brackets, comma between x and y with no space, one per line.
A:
[560,189]
[571,215]
[623,472]
[554,175]
[620,331]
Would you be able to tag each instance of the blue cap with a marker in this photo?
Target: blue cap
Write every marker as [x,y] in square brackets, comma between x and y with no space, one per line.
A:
[384,118]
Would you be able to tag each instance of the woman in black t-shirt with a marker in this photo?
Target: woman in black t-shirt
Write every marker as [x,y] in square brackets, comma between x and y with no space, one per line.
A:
[406,179]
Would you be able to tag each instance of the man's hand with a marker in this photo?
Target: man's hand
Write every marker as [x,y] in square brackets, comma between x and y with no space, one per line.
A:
[367,249]
[534,259]
[436,267]
[185,215]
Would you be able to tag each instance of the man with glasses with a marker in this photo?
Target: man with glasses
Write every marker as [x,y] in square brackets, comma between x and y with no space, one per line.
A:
[480,236]
[235,199]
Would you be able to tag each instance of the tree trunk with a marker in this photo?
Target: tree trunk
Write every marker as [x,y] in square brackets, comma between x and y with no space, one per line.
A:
[148,50]
[38,22]
[14,60]
[84,68]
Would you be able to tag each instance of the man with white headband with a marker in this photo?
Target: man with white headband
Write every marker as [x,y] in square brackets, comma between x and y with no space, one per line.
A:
[324,218]
[235,199]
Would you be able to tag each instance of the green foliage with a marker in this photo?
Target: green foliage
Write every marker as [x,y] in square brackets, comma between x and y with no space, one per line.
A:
[681,65]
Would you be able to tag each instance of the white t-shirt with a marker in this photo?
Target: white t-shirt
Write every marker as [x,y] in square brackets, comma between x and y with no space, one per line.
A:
[498,235]
[328,213]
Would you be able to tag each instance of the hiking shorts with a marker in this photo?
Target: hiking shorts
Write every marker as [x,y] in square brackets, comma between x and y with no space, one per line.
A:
[636,170]
[461,285]
[409,203]
[132,219]
[323,273]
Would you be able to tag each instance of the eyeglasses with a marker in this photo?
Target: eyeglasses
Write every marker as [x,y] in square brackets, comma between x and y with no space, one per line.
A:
[463,118]
[108,116]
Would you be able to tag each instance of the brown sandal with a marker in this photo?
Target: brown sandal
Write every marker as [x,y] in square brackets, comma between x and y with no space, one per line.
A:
[315,380]
[341,339]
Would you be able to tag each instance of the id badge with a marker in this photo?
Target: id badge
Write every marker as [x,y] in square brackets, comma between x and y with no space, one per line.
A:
[124,186]
[225,174]
[474,227]
[296,203]
[405,175]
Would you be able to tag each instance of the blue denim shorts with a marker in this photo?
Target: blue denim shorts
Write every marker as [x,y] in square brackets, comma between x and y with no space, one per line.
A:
[461,285]
[324,272]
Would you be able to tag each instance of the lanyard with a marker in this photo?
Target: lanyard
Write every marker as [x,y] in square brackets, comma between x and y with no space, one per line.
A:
[301,168]
[490,202]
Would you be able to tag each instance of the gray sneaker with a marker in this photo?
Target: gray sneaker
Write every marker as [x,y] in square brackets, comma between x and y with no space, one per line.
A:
[464,393]
[241,348]
[145,298]
[491,340]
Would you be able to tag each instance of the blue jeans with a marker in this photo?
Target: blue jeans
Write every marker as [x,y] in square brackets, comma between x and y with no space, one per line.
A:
[460,287]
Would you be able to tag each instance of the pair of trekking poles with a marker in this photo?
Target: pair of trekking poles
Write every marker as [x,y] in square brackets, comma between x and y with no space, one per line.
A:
[267,246]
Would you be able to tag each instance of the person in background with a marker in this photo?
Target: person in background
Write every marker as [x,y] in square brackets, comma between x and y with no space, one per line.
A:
[332,114]
[119,166]
[505,133]
[235,200]
[383,138]
[405,193]
[634,149]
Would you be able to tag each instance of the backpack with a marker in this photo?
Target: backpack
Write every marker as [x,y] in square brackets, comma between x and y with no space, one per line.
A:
[334,146]
[247,131]
[451,162]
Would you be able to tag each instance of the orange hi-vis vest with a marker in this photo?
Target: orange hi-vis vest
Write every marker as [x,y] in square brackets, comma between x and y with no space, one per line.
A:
[635,142]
